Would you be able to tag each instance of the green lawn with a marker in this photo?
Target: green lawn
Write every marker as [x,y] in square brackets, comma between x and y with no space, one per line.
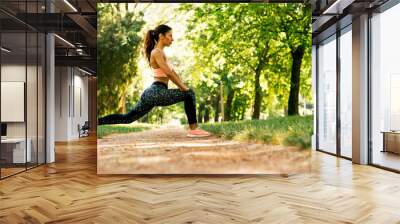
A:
[103,130]
[291,130]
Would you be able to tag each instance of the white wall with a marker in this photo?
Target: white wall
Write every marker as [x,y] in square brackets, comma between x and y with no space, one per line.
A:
[33,127]
[61,103]
[14,73]
[80,100]
[71,93]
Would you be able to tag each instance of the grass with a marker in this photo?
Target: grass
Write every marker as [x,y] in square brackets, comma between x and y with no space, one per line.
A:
[290,131]
[104,130]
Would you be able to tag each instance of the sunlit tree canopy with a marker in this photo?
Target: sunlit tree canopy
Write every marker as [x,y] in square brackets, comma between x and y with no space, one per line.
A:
[244,60]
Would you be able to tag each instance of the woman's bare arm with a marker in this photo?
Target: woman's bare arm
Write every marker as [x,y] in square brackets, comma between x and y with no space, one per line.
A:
[170,73]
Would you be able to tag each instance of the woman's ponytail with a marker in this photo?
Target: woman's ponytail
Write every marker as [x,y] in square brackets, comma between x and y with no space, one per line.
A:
[149,43]
[151,38]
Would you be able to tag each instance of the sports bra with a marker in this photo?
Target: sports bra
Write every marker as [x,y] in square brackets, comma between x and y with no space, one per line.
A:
[158,72]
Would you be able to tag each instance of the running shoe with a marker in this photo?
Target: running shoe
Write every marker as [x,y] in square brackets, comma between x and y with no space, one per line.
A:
[197,133]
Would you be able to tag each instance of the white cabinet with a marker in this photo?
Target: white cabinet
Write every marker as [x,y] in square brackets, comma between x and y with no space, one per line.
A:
[18,149]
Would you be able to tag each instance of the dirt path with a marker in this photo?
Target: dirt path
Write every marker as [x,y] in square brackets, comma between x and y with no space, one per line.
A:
[168,151]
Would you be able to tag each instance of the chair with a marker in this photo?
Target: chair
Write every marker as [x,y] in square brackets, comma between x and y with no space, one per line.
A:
[84,130]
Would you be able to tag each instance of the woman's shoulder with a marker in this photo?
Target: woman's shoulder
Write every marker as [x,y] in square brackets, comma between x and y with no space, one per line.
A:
[157,51]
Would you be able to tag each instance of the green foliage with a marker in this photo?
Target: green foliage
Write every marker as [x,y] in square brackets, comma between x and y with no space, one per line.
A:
[118,44]
[231,45]
[292,130]
[232,42]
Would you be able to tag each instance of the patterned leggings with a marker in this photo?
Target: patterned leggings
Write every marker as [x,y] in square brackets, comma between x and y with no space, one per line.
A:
[157,94]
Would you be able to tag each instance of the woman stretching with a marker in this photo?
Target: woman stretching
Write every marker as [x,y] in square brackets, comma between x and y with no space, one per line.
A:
[158,93]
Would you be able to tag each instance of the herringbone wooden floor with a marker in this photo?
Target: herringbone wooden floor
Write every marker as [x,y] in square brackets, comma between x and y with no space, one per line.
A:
[70,191]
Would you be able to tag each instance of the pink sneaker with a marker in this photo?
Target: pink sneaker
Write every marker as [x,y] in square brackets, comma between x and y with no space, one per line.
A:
[197,133]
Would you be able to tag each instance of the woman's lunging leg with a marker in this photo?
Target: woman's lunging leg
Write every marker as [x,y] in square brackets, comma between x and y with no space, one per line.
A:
[137,112]
[168,97]
[156,96]
[190,107]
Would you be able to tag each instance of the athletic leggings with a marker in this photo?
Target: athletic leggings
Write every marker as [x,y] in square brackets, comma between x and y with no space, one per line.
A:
[157,94]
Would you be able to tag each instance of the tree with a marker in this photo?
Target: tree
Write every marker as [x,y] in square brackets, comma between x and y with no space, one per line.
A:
[237,38]
[296,24]
[118,45]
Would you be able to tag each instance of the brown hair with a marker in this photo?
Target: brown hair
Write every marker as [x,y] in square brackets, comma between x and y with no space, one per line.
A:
[152,38]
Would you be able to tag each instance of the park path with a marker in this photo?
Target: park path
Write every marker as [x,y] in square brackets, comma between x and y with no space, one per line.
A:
[167,150]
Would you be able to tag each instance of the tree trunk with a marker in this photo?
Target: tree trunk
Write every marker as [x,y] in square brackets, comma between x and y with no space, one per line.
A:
[257,98]
[221,90]
[200,113]
[206,114]
[145,119]
[263,59]
[293,102]
[243,113]
[216,108]
[122,104]
[228,107]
